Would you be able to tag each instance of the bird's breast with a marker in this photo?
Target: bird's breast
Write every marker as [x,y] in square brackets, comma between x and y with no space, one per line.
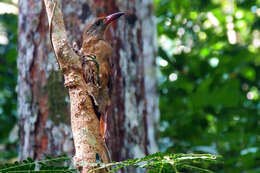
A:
[103,53]
[100,48]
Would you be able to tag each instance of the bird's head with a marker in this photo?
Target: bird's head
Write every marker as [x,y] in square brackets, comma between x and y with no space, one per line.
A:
[97,27]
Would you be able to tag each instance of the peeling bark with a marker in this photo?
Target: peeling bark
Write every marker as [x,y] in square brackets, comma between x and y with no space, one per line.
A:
[43,102]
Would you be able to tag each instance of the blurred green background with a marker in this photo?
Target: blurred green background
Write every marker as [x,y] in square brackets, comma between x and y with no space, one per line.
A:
[8,80]
[209,80]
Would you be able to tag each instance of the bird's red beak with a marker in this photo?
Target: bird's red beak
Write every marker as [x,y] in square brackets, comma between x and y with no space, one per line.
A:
[113,17]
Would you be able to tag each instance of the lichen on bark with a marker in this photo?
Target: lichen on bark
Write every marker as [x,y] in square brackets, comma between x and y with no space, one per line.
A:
[58,98]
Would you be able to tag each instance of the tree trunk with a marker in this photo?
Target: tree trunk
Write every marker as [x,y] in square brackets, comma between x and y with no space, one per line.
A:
[44,115]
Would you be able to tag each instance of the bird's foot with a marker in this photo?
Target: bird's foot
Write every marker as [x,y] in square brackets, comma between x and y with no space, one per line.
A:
[92,58]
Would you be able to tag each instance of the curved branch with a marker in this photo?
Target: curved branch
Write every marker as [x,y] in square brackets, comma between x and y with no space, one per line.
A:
[89,144]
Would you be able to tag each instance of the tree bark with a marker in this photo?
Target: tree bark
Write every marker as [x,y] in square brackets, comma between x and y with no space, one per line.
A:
[43,102]
[43,107]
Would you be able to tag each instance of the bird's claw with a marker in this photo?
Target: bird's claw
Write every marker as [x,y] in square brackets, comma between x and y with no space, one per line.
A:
[92,58]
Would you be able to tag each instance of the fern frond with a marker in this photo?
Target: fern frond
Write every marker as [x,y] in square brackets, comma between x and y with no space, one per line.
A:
[30,165]
[158,162]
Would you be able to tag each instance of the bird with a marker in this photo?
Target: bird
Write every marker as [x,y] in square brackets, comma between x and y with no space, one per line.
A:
[97,52]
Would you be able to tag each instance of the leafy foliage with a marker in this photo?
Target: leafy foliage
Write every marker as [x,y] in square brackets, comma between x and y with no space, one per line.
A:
[8,80]
[167,163]
[209,79]
[49,165]
[154,163]
[209,83]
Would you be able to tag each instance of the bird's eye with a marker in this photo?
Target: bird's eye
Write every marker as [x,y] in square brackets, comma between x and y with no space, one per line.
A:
[98,23]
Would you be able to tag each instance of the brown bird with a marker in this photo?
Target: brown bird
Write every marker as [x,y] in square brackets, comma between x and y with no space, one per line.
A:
[97,53]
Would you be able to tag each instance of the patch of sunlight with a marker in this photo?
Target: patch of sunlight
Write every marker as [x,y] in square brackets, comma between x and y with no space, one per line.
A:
[229,19]
[207,24]
[196,28]
[3,39]
[230,26]
[258,12]
[213,19]
[239,14]
[8,8]
[213,62]
[167,44]
[173,77]
[161,62]
[15,1]
[168,22]
[232,37]
[252,48]
[3,35]
[202,35]
[252,94]
[256,38]
[181,32]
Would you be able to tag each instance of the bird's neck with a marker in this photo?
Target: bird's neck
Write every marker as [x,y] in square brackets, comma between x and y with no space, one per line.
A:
[91,38]
[89,41]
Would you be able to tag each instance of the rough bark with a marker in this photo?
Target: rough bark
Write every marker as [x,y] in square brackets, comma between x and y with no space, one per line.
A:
[88,141]
[134,113]
[43,102]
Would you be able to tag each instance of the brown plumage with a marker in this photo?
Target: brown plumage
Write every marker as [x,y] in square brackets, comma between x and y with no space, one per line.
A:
[94,44]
